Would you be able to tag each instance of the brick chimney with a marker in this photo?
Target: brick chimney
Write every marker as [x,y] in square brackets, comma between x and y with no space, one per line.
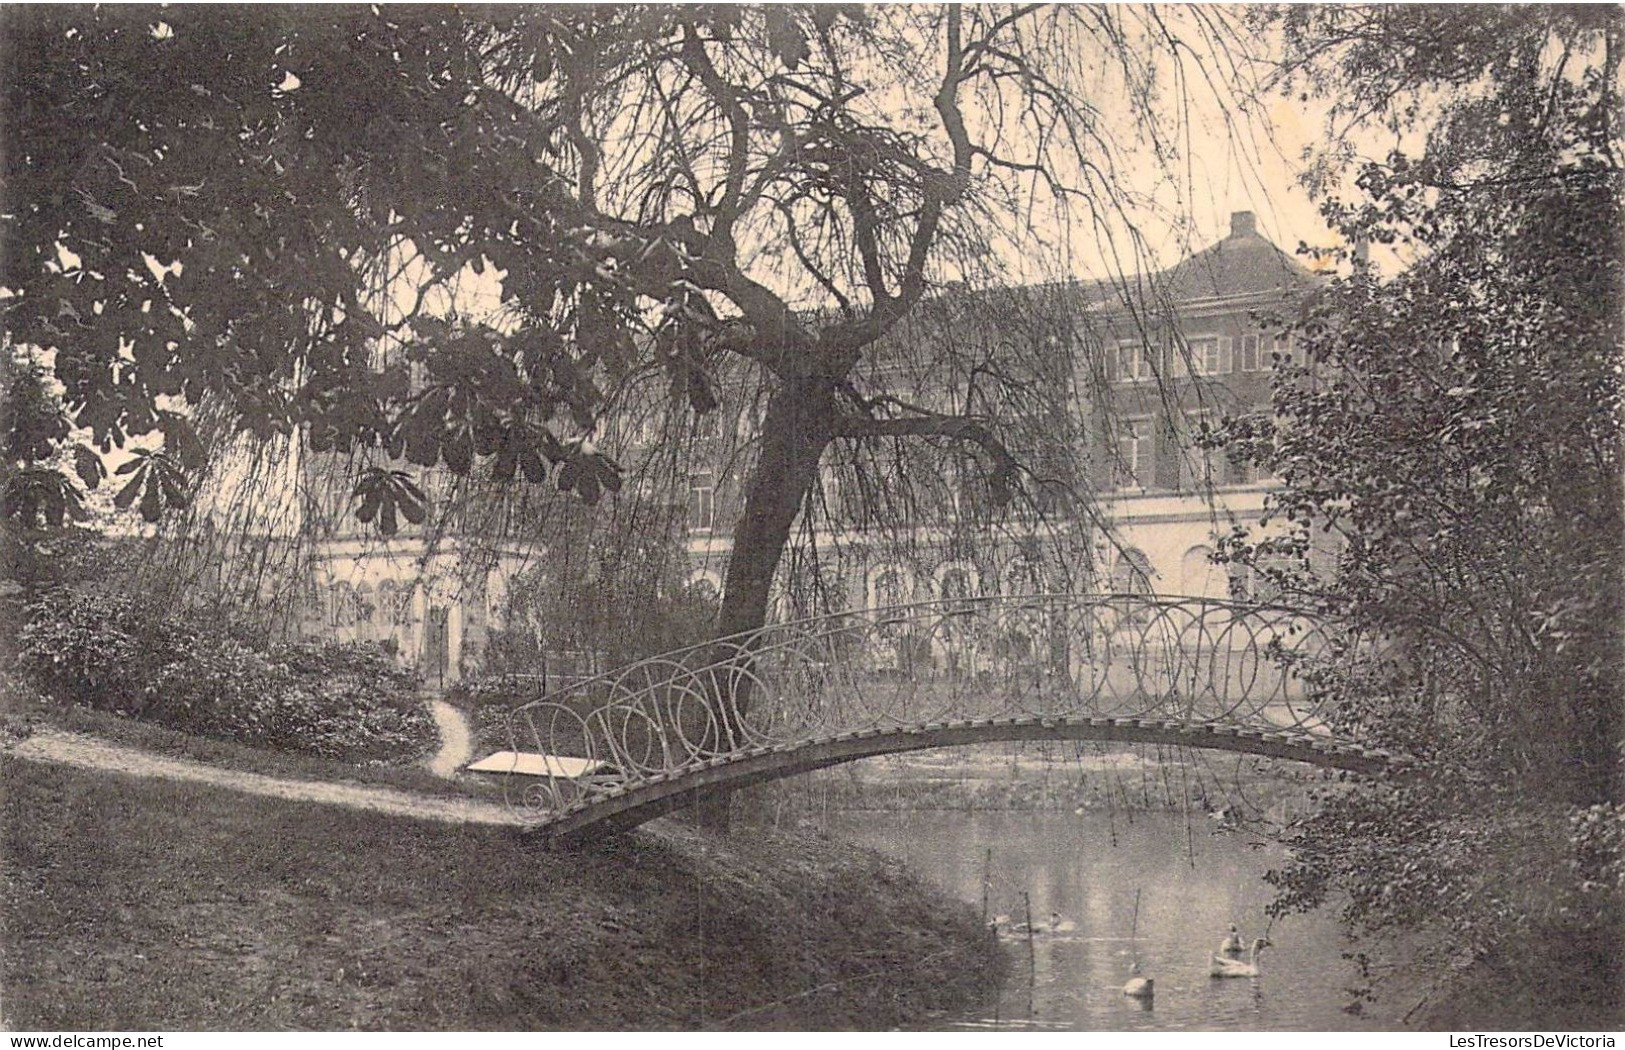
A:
[1243,224]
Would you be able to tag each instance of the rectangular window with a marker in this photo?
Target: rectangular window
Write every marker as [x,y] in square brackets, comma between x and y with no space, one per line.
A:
[1212,355]
[1264,471]
[1266,577]
[1196,461]
[750,420]
[1053,473]
[702,506]
[1249,352]
[830,483]
[1052,496]
[1134,453]
[1131,362]
[1238,471]
[708,424]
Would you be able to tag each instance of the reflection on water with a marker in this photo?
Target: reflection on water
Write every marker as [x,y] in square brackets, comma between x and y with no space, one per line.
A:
[1086,869]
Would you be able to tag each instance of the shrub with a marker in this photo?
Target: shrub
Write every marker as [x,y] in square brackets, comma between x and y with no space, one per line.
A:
[112,653]
[91,649]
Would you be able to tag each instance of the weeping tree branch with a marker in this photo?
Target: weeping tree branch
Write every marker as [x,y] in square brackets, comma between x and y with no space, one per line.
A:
[940,190]
[732,204]
[969,429]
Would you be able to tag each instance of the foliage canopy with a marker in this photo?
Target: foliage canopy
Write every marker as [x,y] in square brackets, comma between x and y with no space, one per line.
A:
[1461,434]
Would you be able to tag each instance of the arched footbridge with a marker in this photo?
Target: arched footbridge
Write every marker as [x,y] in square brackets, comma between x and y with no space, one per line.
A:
[793,697]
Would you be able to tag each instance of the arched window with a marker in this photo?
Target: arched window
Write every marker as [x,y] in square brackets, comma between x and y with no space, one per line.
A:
[1022,577]
[1023,627]
[314,609]
[1241,582]
[1268,575]
[887,586]
[957,579]
[1132,573]
[365,609]
[343,605]
[704,590]
[403,607]
[956,584]
[388,610]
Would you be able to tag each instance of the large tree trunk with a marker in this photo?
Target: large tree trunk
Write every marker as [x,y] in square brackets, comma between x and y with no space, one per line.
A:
[798,426]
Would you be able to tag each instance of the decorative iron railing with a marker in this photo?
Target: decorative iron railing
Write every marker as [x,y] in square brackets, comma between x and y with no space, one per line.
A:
[1066,656]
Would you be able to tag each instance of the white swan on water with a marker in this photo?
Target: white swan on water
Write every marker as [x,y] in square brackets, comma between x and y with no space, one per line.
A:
[1139,987]
[1057,924]
[1223,967]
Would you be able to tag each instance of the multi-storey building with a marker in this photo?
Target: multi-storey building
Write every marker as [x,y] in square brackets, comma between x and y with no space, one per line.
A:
[1148,361]
[1233,307]
[1151,361]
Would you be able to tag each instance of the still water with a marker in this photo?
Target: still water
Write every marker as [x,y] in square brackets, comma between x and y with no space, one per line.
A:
[1192,884]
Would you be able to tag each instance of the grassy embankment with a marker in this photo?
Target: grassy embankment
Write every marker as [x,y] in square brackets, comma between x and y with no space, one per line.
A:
[1566,980]
[145,904]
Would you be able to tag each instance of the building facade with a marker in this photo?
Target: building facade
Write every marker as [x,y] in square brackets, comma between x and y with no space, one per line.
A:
[1150,364]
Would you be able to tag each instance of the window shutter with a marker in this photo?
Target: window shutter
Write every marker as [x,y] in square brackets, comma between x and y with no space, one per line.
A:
[1168,458]
[1227,355]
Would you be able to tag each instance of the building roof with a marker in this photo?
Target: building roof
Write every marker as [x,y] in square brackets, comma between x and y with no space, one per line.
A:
[1244,263]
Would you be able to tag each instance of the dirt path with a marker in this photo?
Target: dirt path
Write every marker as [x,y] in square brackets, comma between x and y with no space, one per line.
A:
[74,749]
[456,747]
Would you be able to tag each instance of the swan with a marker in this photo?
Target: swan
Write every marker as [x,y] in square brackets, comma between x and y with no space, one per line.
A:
[1222,967]
[1139,987]
[1056,924]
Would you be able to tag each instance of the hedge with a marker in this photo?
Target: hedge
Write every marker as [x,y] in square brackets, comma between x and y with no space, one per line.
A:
[115,653]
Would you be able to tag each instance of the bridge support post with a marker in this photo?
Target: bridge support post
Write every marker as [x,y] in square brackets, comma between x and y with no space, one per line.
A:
[987,881]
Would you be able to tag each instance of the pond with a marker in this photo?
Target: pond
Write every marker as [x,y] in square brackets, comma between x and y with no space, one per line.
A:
[1192,884]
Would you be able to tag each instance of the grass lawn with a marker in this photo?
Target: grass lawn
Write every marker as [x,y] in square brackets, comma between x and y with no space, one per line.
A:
[143,904]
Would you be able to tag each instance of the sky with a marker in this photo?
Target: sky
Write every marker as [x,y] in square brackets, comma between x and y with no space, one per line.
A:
[1242,148]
